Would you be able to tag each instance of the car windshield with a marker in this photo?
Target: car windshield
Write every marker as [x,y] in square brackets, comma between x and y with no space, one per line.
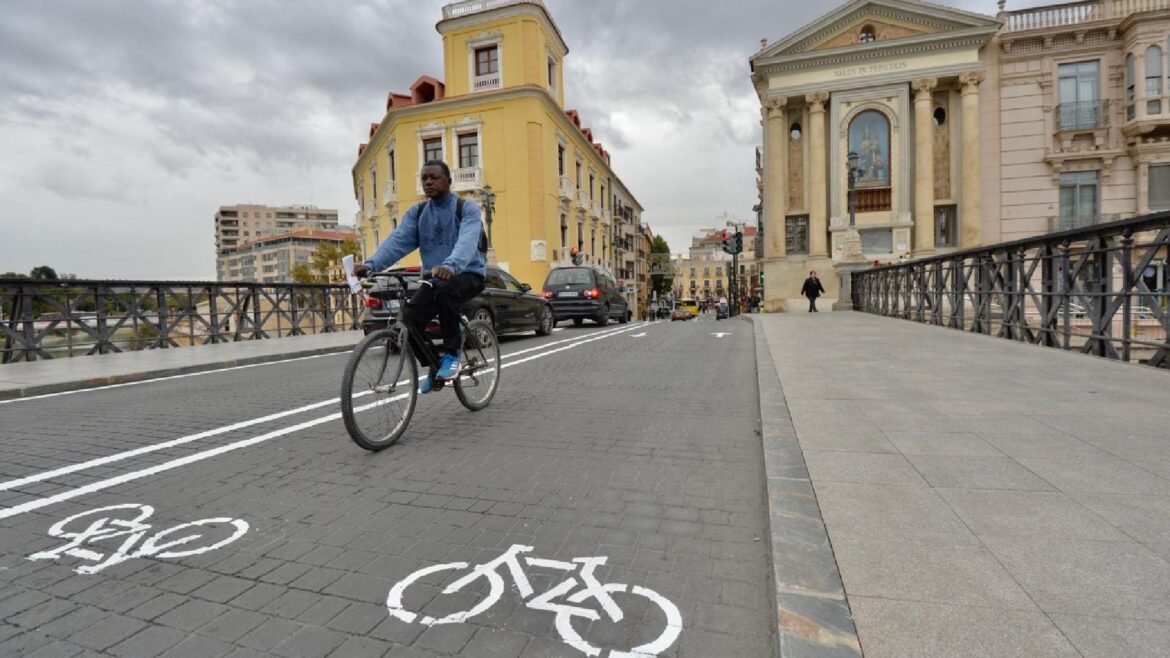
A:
[568,276]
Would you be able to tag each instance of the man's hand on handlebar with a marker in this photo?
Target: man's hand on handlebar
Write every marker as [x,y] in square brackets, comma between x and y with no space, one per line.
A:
[361,270]
[443,273]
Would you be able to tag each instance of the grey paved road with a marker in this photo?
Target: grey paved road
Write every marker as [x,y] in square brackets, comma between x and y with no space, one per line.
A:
[635,443]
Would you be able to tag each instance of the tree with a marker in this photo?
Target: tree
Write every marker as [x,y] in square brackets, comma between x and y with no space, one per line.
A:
[661,282]
[43,272]
[324,259]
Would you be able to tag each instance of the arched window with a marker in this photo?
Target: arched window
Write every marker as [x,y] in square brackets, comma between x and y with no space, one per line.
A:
[940,116]
[1153,80]
[869,138]
[867,35]
[794,132]
[1129,87]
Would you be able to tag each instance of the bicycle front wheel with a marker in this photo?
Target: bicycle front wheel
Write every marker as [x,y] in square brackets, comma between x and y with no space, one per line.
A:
[479,375]
[379,390]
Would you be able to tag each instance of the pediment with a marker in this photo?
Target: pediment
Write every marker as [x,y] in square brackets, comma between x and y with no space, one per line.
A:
[891,19]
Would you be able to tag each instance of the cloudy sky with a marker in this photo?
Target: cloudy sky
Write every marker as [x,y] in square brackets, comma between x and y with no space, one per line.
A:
[126,123]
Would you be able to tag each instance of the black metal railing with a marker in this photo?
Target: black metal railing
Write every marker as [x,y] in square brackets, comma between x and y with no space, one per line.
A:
[1082,115]
[1100,290]
[52,319]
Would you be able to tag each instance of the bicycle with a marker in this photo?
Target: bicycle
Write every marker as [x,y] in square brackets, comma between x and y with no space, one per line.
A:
[383,366]
[509,563]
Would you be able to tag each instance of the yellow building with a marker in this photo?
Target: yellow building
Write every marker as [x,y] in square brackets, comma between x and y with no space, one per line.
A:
[499,121]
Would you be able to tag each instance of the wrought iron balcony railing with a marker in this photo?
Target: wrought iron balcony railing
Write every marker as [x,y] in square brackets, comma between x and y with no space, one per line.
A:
[1082,115]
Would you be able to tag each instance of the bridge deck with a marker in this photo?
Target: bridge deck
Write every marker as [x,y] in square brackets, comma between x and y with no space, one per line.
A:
[983,497]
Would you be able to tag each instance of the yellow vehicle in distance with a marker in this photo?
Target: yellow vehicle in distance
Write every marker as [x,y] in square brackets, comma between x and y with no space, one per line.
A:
[690,306]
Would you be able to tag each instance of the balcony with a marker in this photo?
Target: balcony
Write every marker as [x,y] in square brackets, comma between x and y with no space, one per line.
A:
[873,199]
[582,199]
[486,82]
[1082,115]
[371,211]
[466,178]
[390,193]
[357,218]
[606,216]
[595,208]
[468,7]
[566,188]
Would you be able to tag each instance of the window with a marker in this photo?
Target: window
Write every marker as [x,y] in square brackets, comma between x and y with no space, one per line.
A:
[593,240]
[560,160]
[867,34]
[590,186]
[946,225]
[1078,199]
[469,150]
[869,137]
[374,182]
[796,234]
[794,132]
[940,116]
[1129,87]
[1079,98]
[511,284]
[580,235]
[1153,80]
[432,149]
[552,73]
[564,230]
[578,179]
[1159,187]
[487,60]
[393,176]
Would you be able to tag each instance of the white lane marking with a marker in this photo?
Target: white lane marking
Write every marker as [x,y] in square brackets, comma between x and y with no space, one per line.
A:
[206,434]
[720,334]
[244,443]
[134,530]
[558,329]
[641,335]
[171,377]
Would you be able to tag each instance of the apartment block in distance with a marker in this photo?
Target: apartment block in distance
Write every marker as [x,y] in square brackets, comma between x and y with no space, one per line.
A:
[271,259]
[240,224]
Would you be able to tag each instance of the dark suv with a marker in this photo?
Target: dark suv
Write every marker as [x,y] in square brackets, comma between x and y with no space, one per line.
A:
[509,304]
[585,293]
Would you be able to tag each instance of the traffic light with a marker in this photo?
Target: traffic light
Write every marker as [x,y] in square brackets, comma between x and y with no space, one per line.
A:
[726,243]
[738,242]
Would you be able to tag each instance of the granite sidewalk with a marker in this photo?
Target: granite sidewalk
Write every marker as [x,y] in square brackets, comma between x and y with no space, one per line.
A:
[981,497]
[67,374]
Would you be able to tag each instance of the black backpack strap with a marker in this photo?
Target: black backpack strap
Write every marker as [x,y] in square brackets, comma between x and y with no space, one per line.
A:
[459,210]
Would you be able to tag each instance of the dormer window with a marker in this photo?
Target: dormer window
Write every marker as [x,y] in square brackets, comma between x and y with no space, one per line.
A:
[867,35]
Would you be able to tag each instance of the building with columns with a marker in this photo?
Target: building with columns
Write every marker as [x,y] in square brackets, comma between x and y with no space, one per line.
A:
[969,129]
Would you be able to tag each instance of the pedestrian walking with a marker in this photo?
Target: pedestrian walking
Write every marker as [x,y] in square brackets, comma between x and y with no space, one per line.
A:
[812,289]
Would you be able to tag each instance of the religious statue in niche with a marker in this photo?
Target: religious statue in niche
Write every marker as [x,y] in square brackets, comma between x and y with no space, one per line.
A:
[869,138]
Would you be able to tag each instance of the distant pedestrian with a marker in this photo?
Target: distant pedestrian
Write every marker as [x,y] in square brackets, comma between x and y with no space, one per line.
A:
[812,289]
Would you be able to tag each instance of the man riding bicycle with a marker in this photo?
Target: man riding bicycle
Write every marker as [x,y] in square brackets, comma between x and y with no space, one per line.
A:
[450,249]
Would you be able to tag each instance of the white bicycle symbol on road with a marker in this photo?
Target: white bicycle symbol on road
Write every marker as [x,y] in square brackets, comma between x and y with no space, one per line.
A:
[591,589]
[98,525]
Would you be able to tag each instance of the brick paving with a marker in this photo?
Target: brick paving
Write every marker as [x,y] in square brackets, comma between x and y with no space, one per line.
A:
[641,449]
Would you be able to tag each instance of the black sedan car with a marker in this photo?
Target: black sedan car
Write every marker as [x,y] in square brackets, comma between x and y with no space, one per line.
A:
[509,304]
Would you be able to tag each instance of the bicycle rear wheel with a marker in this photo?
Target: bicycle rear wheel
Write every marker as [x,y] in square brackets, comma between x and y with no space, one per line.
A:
[379,390]
[479,374]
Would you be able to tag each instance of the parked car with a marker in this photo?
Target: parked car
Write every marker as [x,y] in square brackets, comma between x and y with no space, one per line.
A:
[510,305]
[721,312]
[585,293]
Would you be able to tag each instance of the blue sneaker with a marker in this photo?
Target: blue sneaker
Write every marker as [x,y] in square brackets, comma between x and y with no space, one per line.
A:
[448,367]
[428,384]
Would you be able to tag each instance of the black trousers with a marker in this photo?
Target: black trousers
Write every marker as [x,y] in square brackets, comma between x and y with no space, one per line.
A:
[812,304]
[442,298]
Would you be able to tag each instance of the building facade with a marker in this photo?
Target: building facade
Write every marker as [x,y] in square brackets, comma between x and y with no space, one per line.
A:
[703,274]
[499,121]
[271,259]
[237,225]
[968,129]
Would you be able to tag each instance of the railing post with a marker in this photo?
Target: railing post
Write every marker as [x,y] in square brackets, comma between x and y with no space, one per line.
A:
[212,293]
[1101,275]
[1047,272]
[1065,289]
[257,333]
[30,336]
[958,310]
[1126,292]
[99,299]
[163,321]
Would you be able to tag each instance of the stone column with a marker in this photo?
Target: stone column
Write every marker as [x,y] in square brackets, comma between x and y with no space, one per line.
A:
[970,212]
[776,183]
[818,211]
[924,166]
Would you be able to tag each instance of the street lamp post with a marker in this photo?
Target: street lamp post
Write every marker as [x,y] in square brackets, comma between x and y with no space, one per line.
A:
[853,255]
[488,200]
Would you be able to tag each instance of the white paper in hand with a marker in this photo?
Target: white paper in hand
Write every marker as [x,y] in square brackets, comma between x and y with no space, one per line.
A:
[347,265]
